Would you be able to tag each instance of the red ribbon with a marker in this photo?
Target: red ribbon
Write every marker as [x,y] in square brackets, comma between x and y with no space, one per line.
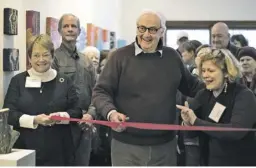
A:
[151,126]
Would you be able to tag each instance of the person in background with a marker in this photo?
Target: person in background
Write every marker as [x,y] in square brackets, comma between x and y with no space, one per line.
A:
[239,40]
[140,81]
[81,70]
[223,103]
[188,53]
[247,58]
[182,37]
[93,54]
[103,60]
[188,146]
[191,144]
[201,49]
[220,38]
[33,97]
[105,56]
[102,155]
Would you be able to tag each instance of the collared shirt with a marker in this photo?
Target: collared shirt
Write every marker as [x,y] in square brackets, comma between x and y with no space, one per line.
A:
[138,49]
[80,69]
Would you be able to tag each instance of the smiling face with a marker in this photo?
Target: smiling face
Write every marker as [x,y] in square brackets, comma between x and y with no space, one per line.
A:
[149,32]
[94,58]
[41,58]
[212,75]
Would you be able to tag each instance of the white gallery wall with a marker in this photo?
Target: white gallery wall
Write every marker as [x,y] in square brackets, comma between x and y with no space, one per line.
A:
[103,13]
[187,10]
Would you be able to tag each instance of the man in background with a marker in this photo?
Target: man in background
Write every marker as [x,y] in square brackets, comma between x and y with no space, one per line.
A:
[72,63]
[182,37]
[220,38]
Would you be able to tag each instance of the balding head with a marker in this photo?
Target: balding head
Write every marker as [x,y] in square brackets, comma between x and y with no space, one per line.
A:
[220,35]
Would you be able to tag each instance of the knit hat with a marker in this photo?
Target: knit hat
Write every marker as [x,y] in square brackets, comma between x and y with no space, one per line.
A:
[246,51]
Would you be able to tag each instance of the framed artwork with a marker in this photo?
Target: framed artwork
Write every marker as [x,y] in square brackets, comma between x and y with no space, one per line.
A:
[52,31]
[32,27]
[81,40]
[105,34]
[112,40]
[10,59]
[10,21]
[90,34]
[99,42]
[33,22]
[121,43]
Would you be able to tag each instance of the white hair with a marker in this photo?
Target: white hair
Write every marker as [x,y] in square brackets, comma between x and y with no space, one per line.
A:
[158,14]
[89,49]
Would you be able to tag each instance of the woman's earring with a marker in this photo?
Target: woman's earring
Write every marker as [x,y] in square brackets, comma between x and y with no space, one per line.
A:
[225,87]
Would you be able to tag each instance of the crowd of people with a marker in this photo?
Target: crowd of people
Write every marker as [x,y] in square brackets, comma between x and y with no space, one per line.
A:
[194,85]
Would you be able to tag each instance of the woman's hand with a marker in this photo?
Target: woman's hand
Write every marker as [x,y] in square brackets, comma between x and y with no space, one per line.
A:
[44,120]
[187,114]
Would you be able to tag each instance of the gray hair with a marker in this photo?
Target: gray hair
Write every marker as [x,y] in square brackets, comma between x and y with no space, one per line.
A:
[61,21]
[158,14]
[89,49]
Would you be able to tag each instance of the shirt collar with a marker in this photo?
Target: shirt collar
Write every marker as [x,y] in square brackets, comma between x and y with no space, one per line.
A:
[67,50]
[138,49]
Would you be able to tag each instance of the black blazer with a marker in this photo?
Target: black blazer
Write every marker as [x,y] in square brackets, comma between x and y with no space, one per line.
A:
[59,95]
[235,148]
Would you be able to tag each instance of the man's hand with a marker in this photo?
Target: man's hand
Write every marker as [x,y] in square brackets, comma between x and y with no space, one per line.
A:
[86,117]
[117,117]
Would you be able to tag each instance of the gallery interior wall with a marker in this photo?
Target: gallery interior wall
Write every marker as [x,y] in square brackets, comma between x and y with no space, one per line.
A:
[185,10]
[106,15]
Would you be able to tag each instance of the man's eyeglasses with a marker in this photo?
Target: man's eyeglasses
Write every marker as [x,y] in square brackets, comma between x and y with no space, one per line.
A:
[151,30]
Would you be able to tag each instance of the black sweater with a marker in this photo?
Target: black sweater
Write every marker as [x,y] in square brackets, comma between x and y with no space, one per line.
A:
[143,87]
[225,148]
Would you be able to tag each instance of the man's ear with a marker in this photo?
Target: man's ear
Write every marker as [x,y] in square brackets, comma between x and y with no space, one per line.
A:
[229,35]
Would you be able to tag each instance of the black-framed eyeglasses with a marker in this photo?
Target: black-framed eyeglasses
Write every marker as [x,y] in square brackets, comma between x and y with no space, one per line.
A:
[151,30]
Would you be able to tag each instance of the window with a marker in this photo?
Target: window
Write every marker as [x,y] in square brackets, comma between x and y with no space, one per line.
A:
[201,35]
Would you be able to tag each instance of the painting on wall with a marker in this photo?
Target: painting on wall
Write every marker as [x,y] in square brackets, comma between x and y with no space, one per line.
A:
[121,43]
[52,31]
[32,27]
[90,34]
[81,40]
[10,59]
[112,40]
[105,34]
[33,22]
[10,21]
[98,38]
[96,35]
[100,41]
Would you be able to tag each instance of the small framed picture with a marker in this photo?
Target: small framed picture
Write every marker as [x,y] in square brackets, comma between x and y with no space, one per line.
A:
[10,59]
[10,21]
